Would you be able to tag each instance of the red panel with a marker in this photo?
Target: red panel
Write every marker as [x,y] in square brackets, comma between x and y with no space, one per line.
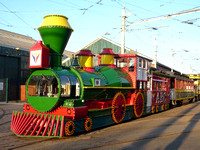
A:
[70,113]
[57,125]
[47,126]
[41,127]
[39,56]
[52,125]
[11,126]
[27,123]
[36,127]
[22,129]
[62,127]
[33,124]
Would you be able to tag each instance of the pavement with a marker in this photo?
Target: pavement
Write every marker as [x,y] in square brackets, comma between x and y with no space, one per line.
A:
[13,103]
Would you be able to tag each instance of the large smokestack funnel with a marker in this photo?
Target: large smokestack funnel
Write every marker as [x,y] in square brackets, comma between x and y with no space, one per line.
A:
[55,32]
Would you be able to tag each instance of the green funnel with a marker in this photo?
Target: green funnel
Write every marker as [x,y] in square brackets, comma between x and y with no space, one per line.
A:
[55,32]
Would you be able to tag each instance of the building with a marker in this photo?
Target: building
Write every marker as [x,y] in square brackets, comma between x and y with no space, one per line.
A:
[97,46]
[14,62]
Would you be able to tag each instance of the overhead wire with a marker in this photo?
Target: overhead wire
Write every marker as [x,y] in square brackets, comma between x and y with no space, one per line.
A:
[17,16]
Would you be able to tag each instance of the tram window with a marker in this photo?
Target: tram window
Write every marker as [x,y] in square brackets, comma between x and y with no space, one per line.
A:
[154,85]
[122,62]
[75,86]
[182,84]
[168,85]
[159,85]
[145,85]
[131,64]
[172,83]
[144,64]
[33,85]
[149,84]
[46,86]
[65,86]
[163,86]
[178,84]
[140,62]
[70,86]
[140,86]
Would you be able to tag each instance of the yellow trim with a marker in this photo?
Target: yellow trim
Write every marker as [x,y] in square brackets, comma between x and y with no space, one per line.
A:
[183,98]
[88,128]
[105,87]
[166,105]
[163,107]
[67,127]
[153,109]
[184,90]
[55,20]
[157,108]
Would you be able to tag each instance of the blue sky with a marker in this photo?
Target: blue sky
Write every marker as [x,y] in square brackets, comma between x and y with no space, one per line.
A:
[91,19]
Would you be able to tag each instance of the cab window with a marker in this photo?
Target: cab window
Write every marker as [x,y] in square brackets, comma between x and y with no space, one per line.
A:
[131,64]
[45,86]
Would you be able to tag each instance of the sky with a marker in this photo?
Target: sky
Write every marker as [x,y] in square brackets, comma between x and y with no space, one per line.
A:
[91,19]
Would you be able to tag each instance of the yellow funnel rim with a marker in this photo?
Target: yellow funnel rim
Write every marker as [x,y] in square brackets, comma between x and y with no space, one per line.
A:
[55,21]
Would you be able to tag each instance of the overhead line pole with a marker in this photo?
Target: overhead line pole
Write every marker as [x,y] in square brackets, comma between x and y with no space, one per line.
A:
[153,19]
[123,31]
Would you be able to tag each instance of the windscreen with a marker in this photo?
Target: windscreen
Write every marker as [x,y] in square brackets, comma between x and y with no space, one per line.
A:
[45,86]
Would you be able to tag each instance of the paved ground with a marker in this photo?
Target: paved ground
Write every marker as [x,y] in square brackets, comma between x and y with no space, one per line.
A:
[178,128]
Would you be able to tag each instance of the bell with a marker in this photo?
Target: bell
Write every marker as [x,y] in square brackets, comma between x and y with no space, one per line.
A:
[75,62]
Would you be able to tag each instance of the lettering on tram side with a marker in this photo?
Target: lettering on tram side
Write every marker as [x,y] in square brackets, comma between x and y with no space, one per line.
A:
[184,94]
[160,97]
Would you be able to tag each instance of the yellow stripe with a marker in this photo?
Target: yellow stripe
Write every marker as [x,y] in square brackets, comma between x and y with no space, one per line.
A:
[183,98]
[184,90]
[104,87]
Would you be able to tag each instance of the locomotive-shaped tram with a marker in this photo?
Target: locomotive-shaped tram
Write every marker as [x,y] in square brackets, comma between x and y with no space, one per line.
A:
[67,100]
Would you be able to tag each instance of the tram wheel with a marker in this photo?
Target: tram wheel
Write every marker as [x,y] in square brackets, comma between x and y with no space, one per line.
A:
[139,105]
[69,128]
[118,107]
[179,103]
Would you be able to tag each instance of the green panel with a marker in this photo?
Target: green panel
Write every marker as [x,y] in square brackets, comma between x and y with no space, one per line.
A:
[73,103]
[55,38]
[65,72]
[87,78]
[124,82]
[80,79]
[123,76]
[40,103]
[111,76]
[102,93]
